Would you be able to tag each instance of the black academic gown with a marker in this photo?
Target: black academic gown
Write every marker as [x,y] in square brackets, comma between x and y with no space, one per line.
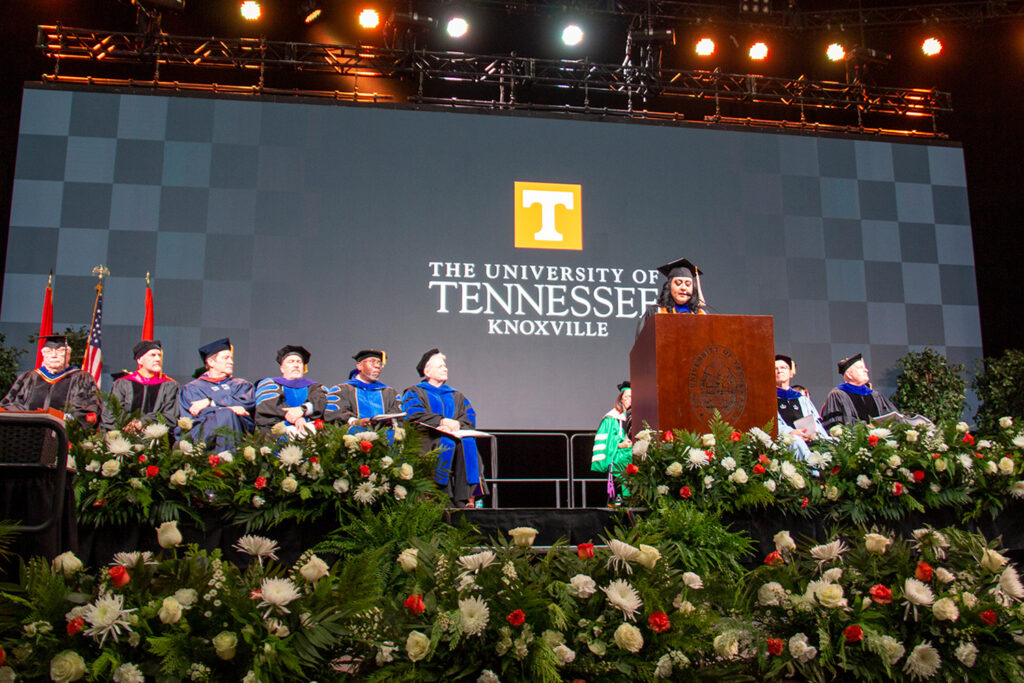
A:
[146,401]
[74,392]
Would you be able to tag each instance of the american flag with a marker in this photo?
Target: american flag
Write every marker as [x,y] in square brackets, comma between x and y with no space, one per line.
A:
[93,361]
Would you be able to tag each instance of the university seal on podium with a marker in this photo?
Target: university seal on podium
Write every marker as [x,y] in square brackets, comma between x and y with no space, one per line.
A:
[717,381]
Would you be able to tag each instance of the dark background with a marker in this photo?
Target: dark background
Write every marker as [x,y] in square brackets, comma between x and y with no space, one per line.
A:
[981,66]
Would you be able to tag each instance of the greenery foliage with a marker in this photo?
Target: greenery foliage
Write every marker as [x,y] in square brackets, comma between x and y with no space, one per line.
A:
[9,356]
[930,386]
[999,387]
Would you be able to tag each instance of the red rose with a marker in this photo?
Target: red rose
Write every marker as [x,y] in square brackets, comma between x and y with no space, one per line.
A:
[854,633]
[517,618]
[319,424]
[873,440]
[260,483]
[880,594]
[152,471]
[100,503]
[803,503]
[918,475]
[364,470]
[835,470]
[988,616]
[214,460]
[763,459]
[313,459]
[685,492]
[668,435]
[659,623]
[632,469]
[978,455]
[90,418]
[924,571]
[968,439]
[774,559]
[3,656]
[365,445]
[585,551]
[119,576]
[735,437]
[710,454]
[936,456]
[759,469]
[897,489]
[775,646]
[143,458]
[415,604]
[74,626]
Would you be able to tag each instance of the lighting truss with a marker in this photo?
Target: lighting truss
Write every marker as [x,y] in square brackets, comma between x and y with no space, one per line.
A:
[630,85]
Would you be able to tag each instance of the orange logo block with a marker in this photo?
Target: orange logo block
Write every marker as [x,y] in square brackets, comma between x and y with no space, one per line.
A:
[548,216]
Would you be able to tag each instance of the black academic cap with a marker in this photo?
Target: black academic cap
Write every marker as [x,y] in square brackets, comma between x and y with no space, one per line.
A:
[845,363]
[787,360]
[370,353]
[214,347]
[300,351]
[145,346]
[55,341]
[421,366]
[679,268]
[623,386]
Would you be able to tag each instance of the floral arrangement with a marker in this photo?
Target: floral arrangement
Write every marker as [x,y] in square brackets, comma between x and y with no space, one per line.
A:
[940,604]
[860,473]
[148,475]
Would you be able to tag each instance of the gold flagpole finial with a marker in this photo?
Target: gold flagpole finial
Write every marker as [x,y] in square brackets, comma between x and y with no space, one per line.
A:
[101,271]
[49,280]
[147,278]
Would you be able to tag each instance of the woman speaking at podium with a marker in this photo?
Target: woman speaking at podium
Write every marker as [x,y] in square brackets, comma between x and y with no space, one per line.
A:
[681,292]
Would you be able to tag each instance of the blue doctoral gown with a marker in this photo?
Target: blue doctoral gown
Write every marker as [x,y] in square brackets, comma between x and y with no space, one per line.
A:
[224,393]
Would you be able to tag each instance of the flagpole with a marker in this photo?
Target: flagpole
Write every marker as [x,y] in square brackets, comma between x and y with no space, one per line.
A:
[147,323]
[93,360]
[46,320]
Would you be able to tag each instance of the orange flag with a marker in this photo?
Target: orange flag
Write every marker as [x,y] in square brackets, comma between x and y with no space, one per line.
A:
[147,325]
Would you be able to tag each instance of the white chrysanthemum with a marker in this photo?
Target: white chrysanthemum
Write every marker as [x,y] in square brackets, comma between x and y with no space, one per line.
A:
[1018,441]
[1017,490]
[918,593]
[969,599]
[931,539]
[119,445]
[864,481]
[257,546]
[623,597]
[696,459]
[692,581]
[128,673]
[487,676]
[475,615]
[815,460]
[828,551]
[922,662]
[762,437]
[892,648]
[290,455]
[788,469]
[629,638]
[770,485]
[728,463]
[622,555]
[771,594]
[364,493]
[1009,584]
[154,431]
[564,653]
[106,617]
[581,586]
[945,609]
[366,436]
[966,653]
[966,461]
[130,559]
[943,575]
[726,644]
[880,432]
[477,561]
[832,575]
[640,451]
[278,593]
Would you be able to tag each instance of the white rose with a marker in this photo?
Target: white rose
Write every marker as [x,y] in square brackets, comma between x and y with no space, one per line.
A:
[249,453]
[1006,466]
[863,481]
[945,609]
[67,563]
[224,644]
[168,536]
[836,431]
[962,427]
[170,611]
[1006,422]
[943,575]
[707,440]
[288,484]
[648,556]
[523,536]
[564,654]
[800,649]
[692,580]
[990,467]
[314,569]
[783,541]
[581,586]
[186,447]
[739,476]
[726,644]
[409,559]
[876,543]
[185,423]
[663,490]
[405,471]
[894,461]
[911,435]
[831,596]
[186,597]
[340,485]
[969,599]
[674,470]
[832,493]
[629,638]
[110,468]
[941,465]
[797,482]
[67,666]
[1018,441]
[417,646]
[771,594]
[728,463]
[770,485]
[967,653]
[399,434]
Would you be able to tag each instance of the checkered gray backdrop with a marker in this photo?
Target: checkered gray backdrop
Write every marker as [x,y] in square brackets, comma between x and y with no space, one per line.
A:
[292,222]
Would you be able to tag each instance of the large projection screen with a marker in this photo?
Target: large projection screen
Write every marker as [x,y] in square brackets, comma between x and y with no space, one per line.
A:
[523,247]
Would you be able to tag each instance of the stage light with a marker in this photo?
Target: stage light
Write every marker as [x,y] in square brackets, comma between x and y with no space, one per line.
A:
[572,35]
[310,10]
[250,10]
[758,51]
[457,27]
[705,47]
[369,18]
[756,6]
[835,52]
[931,47]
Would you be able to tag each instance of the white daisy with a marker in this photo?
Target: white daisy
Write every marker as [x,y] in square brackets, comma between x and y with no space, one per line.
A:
[624,597]
[475,614]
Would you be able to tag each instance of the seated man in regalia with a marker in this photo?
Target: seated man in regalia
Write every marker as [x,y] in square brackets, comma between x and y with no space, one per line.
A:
[290,398]
[444,411]
[55,384]
[795,408]
[854,400]
[360,399]
[217,399]
[147,394]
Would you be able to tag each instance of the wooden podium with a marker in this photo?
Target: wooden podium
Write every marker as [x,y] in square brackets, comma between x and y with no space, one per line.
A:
[685,367]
